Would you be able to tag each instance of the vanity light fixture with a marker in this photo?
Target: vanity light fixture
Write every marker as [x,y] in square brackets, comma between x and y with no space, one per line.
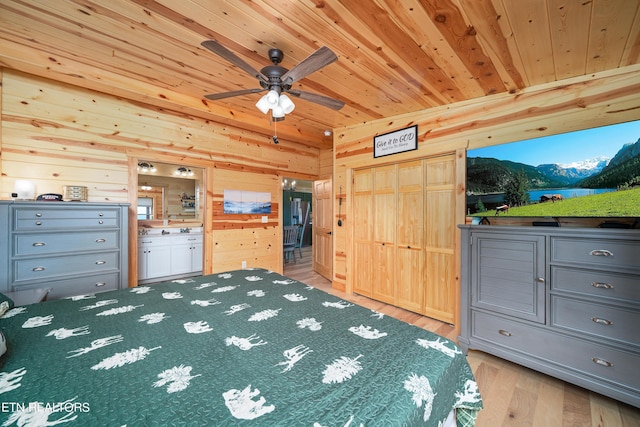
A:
[288,186]
[182,171]
[146,167]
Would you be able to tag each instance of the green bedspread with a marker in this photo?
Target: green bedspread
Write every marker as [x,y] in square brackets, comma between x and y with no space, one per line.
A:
[247,347]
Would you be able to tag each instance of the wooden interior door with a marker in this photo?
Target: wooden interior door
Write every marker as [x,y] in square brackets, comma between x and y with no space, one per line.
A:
[440,244]
[410,237]
[322,246]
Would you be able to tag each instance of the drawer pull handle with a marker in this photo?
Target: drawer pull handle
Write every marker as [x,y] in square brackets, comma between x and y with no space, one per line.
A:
[602,362]
[601,252]
[100,214]
[38,222]
[101,240]
[602,321]
[101,222]
[36,244]
[38,269]
[101,262]
[38,214]
[100,284]
[540,279]
[602,285]
[505,333]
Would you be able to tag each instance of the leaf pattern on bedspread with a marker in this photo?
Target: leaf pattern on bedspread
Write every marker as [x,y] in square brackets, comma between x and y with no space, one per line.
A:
[119,310]
[264,315]
[341,370]
[178,378]
[422,393]
[125,358]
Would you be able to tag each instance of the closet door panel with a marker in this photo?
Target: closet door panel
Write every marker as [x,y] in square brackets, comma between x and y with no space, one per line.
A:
[363,231]
[384,232]
[410,237]
[440,242]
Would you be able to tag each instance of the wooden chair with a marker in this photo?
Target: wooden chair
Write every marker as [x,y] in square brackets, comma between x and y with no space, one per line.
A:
[290,241]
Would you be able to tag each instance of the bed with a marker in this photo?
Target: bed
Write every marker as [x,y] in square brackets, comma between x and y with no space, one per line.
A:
[246,347]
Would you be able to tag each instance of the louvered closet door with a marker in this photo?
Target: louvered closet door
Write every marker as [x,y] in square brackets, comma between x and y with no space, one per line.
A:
[410,237]
[440,226]
[384,230]
[363,231]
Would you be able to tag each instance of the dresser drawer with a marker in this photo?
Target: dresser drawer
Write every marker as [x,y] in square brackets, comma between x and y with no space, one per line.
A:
[33,218]
[70,265]
[65,223]
[600,361]
[596,319]
[595,283]
[50,243]
[80,285]
[596,252]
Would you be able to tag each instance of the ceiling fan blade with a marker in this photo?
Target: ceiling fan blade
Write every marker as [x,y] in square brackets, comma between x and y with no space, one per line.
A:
[318,59]
[225,53]
[325,101]
[215,96]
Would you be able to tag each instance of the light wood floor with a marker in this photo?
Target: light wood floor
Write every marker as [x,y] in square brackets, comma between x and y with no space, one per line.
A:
[513,395]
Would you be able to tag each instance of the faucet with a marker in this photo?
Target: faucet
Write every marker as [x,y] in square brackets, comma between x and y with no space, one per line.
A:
[165,232]
[185,230]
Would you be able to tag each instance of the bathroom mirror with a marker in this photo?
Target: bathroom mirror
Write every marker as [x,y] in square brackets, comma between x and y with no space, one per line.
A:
[169,193]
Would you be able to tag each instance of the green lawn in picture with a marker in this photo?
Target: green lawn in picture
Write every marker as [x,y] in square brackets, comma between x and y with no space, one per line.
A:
[614,204]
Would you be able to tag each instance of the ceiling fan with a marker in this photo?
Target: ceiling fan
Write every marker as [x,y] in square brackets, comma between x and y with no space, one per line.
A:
[277,80]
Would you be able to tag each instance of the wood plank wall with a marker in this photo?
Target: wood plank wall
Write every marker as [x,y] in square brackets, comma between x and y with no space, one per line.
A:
[56,134]
[573,104]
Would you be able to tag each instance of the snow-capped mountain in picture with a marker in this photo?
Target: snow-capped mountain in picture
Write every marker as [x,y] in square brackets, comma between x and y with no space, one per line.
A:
[575,171]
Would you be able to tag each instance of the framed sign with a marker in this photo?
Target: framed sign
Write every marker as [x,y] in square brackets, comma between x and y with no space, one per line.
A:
[395,142]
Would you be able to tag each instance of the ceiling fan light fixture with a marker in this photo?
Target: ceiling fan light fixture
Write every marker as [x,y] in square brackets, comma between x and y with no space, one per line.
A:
[272,98]
[278,112]
[286,104]
[263,105]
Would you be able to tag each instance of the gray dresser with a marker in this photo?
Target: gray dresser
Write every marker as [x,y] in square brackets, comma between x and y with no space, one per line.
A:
[73,248]
[563,301]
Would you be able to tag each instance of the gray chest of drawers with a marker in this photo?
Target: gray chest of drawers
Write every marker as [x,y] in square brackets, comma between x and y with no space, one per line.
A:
[71,248]
[563,301]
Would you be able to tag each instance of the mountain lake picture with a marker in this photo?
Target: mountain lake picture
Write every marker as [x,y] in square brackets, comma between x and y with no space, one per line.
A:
[247,202]
[588,173]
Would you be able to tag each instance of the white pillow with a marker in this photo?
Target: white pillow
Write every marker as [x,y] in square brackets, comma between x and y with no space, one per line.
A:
[4,307]
[3,344]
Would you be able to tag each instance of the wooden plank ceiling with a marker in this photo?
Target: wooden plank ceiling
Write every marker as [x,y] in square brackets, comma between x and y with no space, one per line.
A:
[393,56]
